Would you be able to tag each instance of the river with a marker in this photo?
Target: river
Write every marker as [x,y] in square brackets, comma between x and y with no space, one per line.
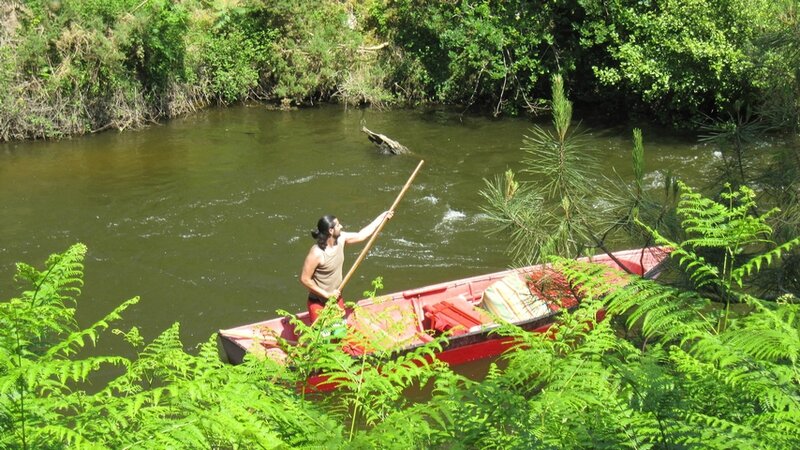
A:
[207,217]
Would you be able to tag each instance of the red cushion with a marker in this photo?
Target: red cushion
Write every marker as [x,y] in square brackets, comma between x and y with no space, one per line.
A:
[445,316]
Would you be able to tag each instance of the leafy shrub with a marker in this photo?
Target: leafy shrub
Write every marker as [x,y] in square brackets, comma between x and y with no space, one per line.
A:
[78,67]
[167,397]
[475,53]
[680,58]
[39,339]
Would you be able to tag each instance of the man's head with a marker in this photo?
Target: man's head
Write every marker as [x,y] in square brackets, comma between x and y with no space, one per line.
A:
[327,226]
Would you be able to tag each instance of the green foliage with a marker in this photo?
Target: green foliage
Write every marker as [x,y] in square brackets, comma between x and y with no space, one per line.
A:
[481,53]
[678,376]
[315,50]
[364,85]
[172,399]
[567,205]
[168,397]
[233,66]
[777,52]
[745,359]
[711,365]
[78,67]
[39,338]
[547,219]
[672,60]
[677,380]
[371,378]
[731,228]
[162,47]
[682,58]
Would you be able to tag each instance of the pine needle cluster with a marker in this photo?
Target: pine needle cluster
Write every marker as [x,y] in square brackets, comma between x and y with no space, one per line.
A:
[566,205]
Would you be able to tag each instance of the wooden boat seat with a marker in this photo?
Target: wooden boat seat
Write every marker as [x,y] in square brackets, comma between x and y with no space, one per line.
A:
[455,316]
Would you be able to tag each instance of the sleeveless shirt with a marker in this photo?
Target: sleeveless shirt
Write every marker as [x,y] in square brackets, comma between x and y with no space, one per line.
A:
[328,275]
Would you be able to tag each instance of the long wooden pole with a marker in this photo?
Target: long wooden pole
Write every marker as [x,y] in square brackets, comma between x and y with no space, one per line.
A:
[378,230]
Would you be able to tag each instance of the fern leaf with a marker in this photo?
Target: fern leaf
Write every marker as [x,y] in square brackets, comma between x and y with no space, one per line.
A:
[747,268]
[76,340]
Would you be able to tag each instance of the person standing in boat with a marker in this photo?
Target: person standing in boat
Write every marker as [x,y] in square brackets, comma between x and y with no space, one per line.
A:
[322,269]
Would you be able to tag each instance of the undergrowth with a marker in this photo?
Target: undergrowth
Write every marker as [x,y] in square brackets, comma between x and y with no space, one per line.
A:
[693,373]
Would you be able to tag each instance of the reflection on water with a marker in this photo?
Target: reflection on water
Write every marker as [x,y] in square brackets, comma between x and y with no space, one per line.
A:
[207,218]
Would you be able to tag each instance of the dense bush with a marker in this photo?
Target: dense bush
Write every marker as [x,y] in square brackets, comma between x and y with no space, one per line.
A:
[77,67]
[673,61]
[81,66]
[677,59]
[491,53]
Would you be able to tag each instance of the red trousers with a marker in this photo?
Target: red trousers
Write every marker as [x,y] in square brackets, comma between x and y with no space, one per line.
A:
[315,306]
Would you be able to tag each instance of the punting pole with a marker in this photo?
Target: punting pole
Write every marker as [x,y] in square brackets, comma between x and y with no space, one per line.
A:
[380,227]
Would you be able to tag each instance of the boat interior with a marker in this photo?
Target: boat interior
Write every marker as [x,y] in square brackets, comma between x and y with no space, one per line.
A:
[417,316]
[467,306]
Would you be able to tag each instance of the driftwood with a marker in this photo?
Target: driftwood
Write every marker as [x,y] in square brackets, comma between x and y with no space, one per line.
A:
[386,145]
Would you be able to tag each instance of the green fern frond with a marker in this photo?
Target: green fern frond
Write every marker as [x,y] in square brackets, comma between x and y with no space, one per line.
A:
[730,365]
[658,309]
[754,264]
[44,436]
[780,429]
[61,279]
[714,432]
[74,341]
[724,226]
[64,370]
[779,344]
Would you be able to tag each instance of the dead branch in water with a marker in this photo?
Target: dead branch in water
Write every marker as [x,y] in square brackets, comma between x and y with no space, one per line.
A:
[386,145]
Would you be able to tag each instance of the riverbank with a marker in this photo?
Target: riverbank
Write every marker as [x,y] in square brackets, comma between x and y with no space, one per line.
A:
[73,68]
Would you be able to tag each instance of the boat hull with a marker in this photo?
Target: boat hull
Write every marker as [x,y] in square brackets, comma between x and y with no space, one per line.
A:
[432,310]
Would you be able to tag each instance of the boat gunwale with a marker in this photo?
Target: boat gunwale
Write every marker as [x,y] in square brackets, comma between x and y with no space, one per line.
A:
[453,342]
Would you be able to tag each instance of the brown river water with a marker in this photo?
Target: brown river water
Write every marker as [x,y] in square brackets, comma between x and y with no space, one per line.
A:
[207,217]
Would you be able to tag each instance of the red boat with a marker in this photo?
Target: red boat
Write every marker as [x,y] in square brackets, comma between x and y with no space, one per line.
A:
[466,309]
